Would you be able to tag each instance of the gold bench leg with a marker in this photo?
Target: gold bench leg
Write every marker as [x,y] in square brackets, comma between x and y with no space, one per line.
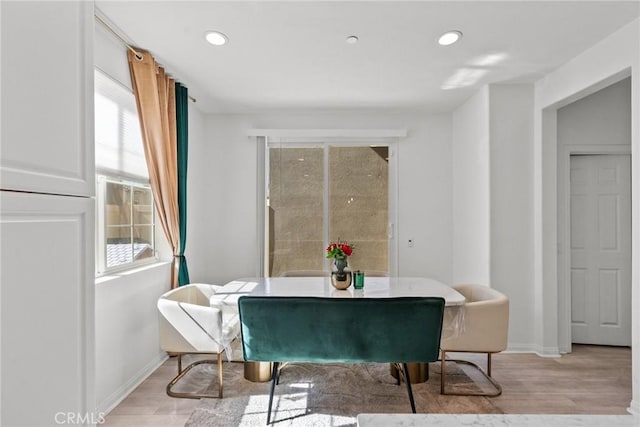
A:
[257,372]
[418,371]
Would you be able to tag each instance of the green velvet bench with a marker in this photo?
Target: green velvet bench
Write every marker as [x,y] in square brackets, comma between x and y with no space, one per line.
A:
[340,330]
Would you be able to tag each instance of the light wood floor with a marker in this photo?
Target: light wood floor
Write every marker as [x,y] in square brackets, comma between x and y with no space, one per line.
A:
[590,380]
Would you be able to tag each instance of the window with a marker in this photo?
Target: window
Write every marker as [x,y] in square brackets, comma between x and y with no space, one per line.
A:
[126,223]
[321,192]
[125,226]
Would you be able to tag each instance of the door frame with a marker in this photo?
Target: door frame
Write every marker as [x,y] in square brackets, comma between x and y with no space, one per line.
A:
[349,137]
[564,230]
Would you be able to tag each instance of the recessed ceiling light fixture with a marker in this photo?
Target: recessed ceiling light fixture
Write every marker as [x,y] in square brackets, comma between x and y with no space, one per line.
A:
[352,39]
[449,38]
[216,38]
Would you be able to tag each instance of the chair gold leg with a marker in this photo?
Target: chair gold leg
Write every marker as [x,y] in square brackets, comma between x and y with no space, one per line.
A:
[487,375]
[183,372]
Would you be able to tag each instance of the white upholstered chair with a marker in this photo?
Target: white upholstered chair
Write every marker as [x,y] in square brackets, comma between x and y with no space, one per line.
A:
[486,325]
[193,321]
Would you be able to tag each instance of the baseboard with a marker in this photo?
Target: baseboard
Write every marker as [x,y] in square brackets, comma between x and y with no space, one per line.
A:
[519,348]
[634,407]
[532,348]
[125,390]
[551,353]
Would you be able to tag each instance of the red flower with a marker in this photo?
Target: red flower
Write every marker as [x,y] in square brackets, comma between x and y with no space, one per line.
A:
[339,249]
[346,249]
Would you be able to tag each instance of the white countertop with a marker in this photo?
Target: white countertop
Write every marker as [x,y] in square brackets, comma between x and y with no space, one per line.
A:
[374,287]
[496,420]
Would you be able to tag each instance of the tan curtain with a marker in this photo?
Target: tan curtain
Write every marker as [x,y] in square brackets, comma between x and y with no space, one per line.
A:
[155,98]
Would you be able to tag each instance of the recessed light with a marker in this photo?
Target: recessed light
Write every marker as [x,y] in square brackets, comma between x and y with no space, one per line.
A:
[216,38]
[450,37]
[352,39]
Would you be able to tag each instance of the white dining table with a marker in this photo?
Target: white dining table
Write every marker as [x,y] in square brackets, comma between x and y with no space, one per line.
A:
[374,287]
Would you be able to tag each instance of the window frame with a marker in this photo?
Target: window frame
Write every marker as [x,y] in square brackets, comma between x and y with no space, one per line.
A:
[325,139]
[101,225]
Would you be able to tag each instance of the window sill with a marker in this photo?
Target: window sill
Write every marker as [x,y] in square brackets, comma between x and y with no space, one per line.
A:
[115,275]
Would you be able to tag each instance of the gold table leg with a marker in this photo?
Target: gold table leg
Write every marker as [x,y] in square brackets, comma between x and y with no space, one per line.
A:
[258,372]
[418,372]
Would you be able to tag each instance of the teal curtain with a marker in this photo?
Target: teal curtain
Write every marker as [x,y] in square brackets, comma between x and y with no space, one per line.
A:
[182,126]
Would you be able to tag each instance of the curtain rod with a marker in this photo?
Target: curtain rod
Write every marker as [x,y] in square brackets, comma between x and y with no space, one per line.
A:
[138,55]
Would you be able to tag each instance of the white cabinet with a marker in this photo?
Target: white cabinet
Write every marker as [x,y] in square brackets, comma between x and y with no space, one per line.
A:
[47,226]
[47,309]
[47,97]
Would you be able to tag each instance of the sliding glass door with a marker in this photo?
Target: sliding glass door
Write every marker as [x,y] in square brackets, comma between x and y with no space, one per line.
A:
[320,192]
[295,209]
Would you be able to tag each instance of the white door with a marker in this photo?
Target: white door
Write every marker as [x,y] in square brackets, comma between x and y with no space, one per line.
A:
[601,249]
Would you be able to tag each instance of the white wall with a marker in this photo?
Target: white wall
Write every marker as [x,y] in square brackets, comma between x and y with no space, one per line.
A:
[471,190]
[226,233]
[197,200]
[602,118]
[425,205]
[594,69]
[511,222]
[228,180]
[493,199]
[127,343]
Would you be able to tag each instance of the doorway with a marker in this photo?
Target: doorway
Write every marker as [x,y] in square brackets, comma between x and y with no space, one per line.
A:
[600,248]
[319,192]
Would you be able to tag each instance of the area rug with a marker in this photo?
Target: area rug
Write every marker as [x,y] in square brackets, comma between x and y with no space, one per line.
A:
[328,395]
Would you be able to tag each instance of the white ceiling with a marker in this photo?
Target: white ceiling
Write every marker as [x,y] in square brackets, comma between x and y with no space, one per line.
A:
[292,55]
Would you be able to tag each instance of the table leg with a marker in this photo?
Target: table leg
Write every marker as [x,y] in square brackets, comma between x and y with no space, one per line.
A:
[418,372]
[258,372]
